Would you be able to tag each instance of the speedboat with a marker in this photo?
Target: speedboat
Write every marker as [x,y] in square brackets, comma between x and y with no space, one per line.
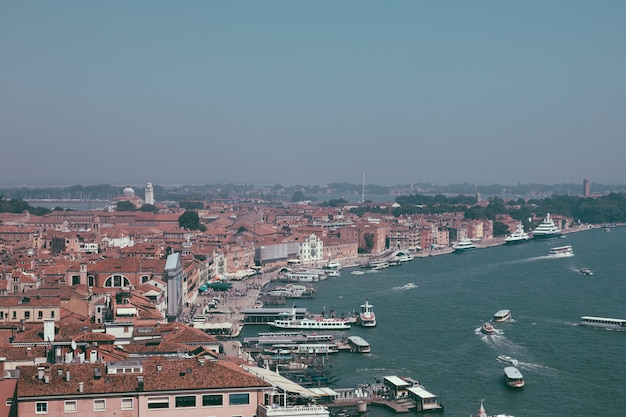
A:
[408,286]
[487,328]
[585,271]
[508,359]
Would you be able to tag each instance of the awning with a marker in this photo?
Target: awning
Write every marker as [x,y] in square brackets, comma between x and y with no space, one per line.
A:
[280,381]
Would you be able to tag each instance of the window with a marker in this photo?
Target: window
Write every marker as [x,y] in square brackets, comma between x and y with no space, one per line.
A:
[158,402]
[27,315]
[1,314]
[91,280]
[127,404]
[69,406]
[117,281]
[239,399]
[14,314]
[185,401]
[40,314]
[51,314]
[75,279]
[99,405]
[212,400]
[145,279]
[41,408]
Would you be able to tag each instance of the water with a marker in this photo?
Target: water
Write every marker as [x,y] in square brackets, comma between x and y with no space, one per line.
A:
[431,332]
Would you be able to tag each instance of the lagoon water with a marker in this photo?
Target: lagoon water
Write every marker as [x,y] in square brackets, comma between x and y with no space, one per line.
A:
[431,332]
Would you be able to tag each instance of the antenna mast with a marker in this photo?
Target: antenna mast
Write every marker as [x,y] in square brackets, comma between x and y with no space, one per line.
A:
[363,189]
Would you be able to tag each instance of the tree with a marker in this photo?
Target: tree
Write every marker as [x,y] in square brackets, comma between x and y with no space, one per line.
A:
[149,208]
[191,221]
[125,206]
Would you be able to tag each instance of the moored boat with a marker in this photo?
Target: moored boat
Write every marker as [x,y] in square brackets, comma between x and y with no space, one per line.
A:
[501,316]
[513,377]
[487,328]
[518,236]
[464,246]
[561,252]
[547,229]
[366,317]
[311,323]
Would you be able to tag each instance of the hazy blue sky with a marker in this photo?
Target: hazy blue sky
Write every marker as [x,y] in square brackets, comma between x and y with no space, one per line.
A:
[312,92]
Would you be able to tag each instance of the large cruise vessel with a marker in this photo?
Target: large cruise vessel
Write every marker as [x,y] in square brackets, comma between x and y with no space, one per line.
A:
[547,229]
[518,236]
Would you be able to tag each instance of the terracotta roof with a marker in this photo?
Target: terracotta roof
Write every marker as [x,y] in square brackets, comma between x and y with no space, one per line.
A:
[158,375]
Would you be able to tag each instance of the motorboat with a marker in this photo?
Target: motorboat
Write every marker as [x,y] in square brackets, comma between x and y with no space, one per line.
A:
[464,246]
[333,273]
[585,271]
[518,236]
[357,273]
[547,229]
[513,377]
[366,317]
[508,359]
[501,316]
[487,328]
[561,252]
[408,286]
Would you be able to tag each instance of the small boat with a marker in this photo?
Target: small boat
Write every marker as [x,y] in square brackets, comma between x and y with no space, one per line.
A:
[513,377]
[333,273]
[408,286]
[508,359]
[585,271]
[561,252]
[487,328]
[357,273]
[464,246]
[501,316]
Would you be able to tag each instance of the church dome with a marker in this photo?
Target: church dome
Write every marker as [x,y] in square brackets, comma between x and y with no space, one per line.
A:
[128,191]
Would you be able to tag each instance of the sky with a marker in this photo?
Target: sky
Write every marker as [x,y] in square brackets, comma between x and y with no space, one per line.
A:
[312,92]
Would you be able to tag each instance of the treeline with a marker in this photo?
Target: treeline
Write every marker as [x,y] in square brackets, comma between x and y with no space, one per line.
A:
[610,208]
[18,205]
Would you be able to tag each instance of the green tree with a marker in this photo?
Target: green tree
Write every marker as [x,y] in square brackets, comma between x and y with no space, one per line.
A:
[125,206]
[149,208]
[191,221]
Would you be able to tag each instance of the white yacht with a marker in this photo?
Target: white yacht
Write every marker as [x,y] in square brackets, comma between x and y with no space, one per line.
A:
[547,229]
[464,245]
[518,236]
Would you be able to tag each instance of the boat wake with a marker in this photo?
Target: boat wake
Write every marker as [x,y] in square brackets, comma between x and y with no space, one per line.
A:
[405,287]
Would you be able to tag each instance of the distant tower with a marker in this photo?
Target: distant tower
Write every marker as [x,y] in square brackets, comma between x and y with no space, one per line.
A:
[363,189]
[149,194]
[586,188]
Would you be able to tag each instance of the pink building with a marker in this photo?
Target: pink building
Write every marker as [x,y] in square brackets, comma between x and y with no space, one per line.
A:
[155,387]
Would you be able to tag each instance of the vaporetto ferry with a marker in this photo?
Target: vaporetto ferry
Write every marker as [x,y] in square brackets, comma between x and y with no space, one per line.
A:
[603,322]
